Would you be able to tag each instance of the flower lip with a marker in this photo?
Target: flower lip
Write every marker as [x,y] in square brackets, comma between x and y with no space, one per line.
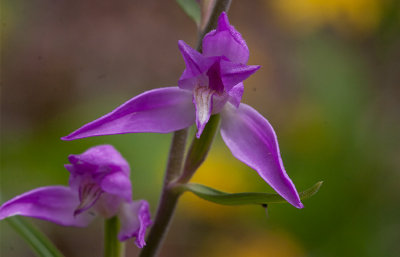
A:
[134,226]
[89,193]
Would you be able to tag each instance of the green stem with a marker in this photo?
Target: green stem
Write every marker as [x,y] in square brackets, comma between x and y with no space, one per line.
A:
[112,246]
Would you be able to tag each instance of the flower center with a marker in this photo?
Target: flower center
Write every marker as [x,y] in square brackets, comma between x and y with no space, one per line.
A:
[214,78]
[89,193]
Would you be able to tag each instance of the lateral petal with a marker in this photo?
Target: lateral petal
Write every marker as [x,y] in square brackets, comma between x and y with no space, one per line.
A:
[226,41]
[52,203]
[135,218]
[196,65]
[161,110]
[234,73]
[235,94]
[253,141]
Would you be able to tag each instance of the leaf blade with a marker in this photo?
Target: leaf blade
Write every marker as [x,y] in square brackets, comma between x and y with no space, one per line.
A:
[223,198]
[38,242]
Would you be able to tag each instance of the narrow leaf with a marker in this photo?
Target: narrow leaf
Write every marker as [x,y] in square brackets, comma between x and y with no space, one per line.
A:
[191,8]
[39,243]
[216,196]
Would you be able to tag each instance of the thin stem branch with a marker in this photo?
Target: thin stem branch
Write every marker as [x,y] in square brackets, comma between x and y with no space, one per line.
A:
[112,246]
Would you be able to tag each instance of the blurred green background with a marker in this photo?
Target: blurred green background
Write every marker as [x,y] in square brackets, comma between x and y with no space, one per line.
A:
[329,84]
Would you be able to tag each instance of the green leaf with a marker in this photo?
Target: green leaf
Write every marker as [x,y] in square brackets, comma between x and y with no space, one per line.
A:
[39,243]
[213,195]
[191,8]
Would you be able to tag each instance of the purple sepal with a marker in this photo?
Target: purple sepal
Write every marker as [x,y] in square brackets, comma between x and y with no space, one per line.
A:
[234,73]
[226,41]
[161,110]
[253,141]
[135,218]
[196,64]
[53,203]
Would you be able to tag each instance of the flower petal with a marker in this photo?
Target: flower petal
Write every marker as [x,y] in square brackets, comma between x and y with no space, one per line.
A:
[160,110]
[234,73]
[235,94]
[95,164]
[98,159]
[51,203]
[253,141]
[135,218]
[195,62]
[89,193]
[203,101]
[119,184]
[226,41]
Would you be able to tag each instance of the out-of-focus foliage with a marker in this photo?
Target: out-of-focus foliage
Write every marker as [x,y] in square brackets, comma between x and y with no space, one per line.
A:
[331,94]
[192,8]
[38,242]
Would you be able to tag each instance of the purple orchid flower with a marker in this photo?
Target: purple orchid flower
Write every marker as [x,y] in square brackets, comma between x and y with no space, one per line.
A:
[211,83]
[99,184]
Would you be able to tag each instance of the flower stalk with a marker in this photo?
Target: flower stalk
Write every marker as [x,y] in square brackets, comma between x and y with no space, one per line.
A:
[112,246]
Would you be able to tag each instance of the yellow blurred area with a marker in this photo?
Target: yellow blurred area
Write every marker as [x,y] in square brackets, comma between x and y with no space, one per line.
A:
[276,244]
[306,15]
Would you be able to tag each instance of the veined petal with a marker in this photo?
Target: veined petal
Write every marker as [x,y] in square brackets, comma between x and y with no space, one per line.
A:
[203,101]
[253,141]
[51,203]
[234,73]
[161,110]
[89,193]
[135,218]
[226,41]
